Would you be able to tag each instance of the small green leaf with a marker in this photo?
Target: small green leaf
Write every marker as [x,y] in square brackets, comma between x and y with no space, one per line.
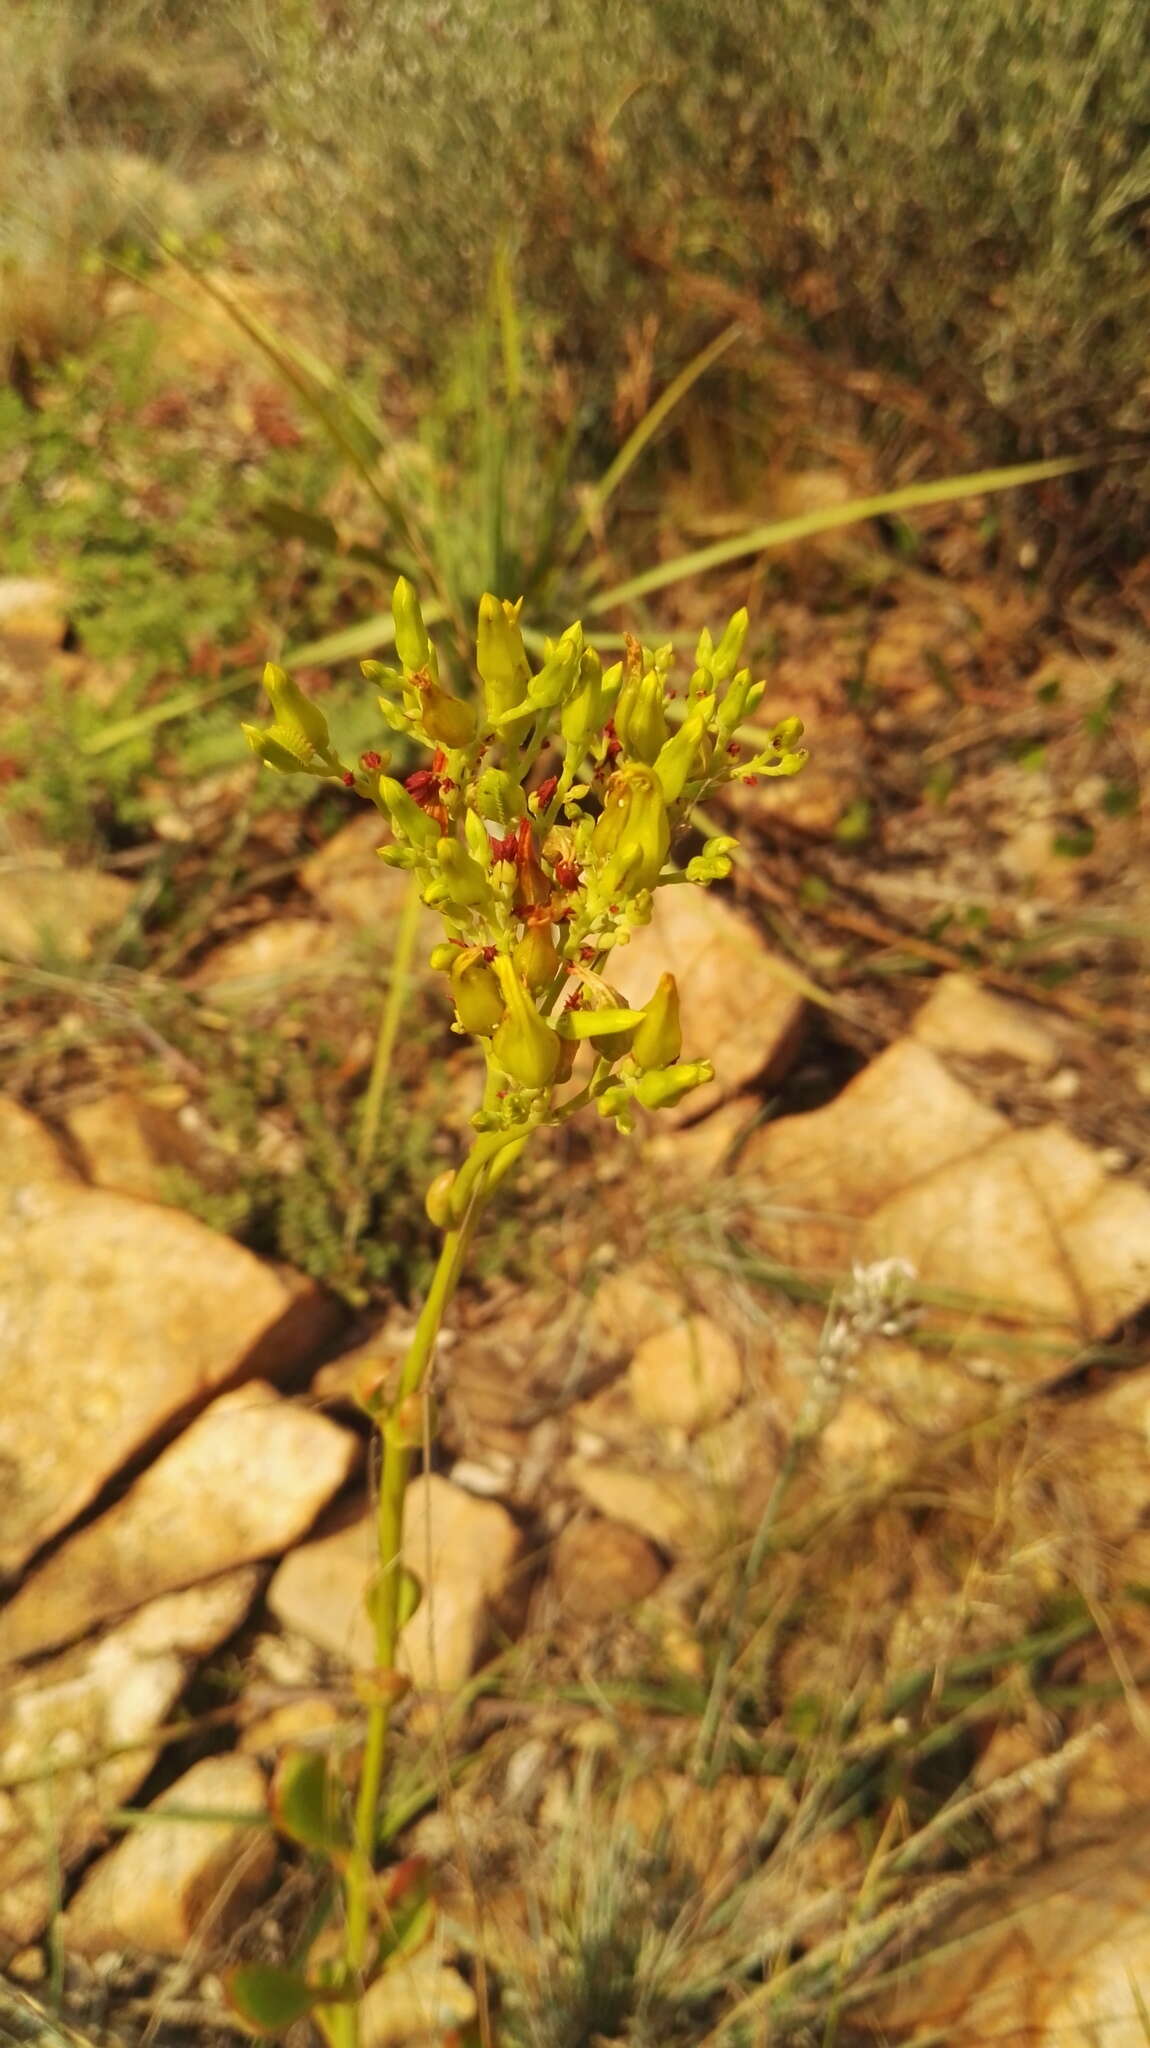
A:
[1074,843]
[295,522]
[309,1804]
[270,1999]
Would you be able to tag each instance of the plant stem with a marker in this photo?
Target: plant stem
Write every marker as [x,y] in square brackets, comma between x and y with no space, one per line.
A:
[397,1460]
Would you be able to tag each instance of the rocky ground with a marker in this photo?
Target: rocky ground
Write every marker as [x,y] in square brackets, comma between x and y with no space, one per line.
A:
[781,1668]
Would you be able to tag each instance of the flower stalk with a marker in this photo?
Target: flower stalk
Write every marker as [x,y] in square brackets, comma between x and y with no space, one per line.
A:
[539,829]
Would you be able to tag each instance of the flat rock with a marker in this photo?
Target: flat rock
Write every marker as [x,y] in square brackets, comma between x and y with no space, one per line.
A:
[285,952]
[668,1508]
[29,1152]
[960,1016]
[127,1144]
[900,1119]
[1030,1227]
[49,912]
[1103,1442]
[87,1719]
[462,1550]
[739,1006]
[173,1882]
[119,1315]
[244,1481]
[1041,1962]
[686,1376]
[600,1568]
[416,2006]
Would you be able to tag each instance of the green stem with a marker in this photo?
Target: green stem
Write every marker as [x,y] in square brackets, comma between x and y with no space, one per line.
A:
[397,1461]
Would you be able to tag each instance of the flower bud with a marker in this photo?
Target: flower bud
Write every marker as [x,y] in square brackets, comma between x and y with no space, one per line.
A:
[437,1200]
[467,883]
[409,821]
[411,641]
[640,719]
[581,719]
[559,672]
[478,998]
[501,658]
[633,835]
[498,798]
[725,659]
[269,747]
[536,957]
[442,958]
[664,1086]
[447,720]
[299,723]
[524,1045]
[681,758]
[658,1040]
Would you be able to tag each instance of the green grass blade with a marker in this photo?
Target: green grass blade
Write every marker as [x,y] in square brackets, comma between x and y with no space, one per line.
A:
[599,495]
[363,638]
[781,532]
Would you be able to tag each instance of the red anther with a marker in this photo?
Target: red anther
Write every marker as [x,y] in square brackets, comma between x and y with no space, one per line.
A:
[445,782]
[546,790]
[574,1000]
[489,953]
[348,779]
[587,954]
[423,785]
[371,761]
[567,873]
[752,781]
[438,761]
[734,750]
[504,849]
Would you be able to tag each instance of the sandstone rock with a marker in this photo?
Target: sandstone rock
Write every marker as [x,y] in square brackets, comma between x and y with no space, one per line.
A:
[1029,1226]
[1103,1442]
[601,1568]
[415,2005]
[1041,1962]
[126,1144]
[900,1119]
[960,1016]
[863,1445]
[28,1153]
[260,964]
[350,882]
[76,1738]
[119,1315]
[471,1547]
[170,1883]
[739,1006]
[702,1150]
[668,1508]
[51,912]
[297,1723]
[244,1481]
[687,1376]
[631,1304]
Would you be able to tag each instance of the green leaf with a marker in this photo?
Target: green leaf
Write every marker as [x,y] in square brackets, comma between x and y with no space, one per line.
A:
[346,645]
[637,441]
[270,1999]
[295,522]
[781,532]
[309,1804]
